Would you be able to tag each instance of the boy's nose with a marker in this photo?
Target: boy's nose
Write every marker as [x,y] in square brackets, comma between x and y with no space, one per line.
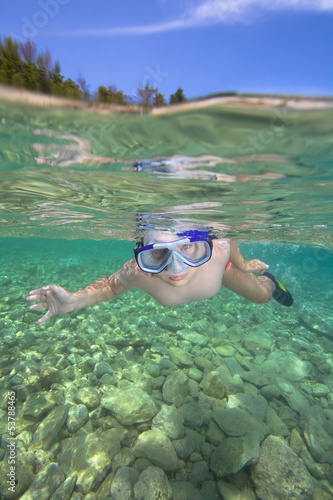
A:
[176,267]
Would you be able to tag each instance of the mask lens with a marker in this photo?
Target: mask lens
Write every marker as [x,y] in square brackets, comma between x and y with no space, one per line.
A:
[159,255]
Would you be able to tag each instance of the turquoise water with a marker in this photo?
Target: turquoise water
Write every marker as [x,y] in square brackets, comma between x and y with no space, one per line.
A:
[265,367]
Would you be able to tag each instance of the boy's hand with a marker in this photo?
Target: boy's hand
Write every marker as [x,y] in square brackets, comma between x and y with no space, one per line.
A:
[56,299]
[255,266]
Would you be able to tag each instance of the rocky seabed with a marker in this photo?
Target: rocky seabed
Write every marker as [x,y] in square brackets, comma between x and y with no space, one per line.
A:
[176,405]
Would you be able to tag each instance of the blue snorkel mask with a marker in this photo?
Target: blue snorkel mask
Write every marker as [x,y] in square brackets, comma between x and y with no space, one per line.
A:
[192,248]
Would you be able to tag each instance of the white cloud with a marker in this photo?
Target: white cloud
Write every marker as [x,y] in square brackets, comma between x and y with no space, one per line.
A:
[208,12]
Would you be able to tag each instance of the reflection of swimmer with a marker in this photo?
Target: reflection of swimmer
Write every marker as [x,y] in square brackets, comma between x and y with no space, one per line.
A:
[181,167]
[174,268]
[64,155]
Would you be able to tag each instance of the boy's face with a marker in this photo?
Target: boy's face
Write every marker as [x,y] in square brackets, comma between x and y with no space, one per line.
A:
[178,273]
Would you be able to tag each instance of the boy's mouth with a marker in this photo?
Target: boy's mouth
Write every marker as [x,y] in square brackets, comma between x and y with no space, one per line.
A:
[177,277]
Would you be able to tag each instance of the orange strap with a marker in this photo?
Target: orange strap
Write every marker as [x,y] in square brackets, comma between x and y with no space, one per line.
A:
[228,264]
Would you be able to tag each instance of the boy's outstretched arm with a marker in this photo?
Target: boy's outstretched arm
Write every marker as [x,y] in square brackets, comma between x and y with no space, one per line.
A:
[58,300]
[246,266]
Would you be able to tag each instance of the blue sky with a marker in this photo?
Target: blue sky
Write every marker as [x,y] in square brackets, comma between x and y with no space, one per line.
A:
[203,46]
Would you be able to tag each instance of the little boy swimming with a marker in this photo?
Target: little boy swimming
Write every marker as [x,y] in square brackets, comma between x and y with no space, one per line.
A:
[175,269]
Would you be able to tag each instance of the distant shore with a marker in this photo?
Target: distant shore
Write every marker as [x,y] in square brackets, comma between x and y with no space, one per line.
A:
[23,96]
[17,95]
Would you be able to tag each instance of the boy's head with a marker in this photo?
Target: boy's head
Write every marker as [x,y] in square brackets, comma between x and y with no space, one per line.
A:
[173,256]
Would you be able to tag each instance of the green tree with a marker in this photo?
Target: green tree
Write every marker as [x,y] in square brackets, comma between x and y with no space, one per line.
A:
[71,89]
[159,100]
[103,95]
[116,96]
[146,95]
[177,97]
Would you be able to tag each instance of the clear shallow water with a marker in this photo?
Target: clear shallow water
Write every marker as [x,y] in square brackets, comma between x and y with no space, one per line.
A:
[101,200]
[69,225]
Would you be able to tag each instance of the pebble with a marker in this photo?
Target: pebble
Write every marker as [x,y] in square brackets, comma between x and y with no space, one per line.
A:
[130,406]
[184,490]
[89,397]
[157,447]
[77,416]
[193,337]
[234,453]
[153,484]
[45,483]
[89,456]
[102,368]
[279,472]
[254,404]
[122,487]
[212,385]
[170,421]
[37,405]
[180,357]
[237,422]
[175,388]
[49,428]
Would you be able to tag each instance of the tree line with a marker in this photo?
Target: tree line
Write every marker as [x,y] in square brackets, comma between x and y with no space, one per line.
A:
[21,65]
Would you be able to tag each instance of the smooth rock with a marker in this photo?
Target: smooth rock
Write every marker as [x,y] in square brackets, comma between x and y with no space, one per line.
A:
[231,492]
[214,434]
[125,458]
[316,390]
[287,363]
[195,374]
[270,392]
[77,416]
[199,473]
[130,405]
[90,457]
[157,447]
[193,337]
[184,490]
[48,376]
[48,430]
[37,405]
[258,341]
[294,397]
[65,490]
[255,378]
[279,473]
[152,369]
[175,388]
[180,357]
[234,453]
[89,397]
[225,350]
[274,423]
[170,421]
[256,405]
[45,483]
[122,487]
[152,485]
[102,368]
[319,442]
[212,385]
[236,422]
[192,415]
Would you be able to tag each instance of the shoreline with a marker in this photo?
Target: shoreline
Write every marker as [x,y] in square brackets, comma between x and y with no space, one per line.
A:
[299,103]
